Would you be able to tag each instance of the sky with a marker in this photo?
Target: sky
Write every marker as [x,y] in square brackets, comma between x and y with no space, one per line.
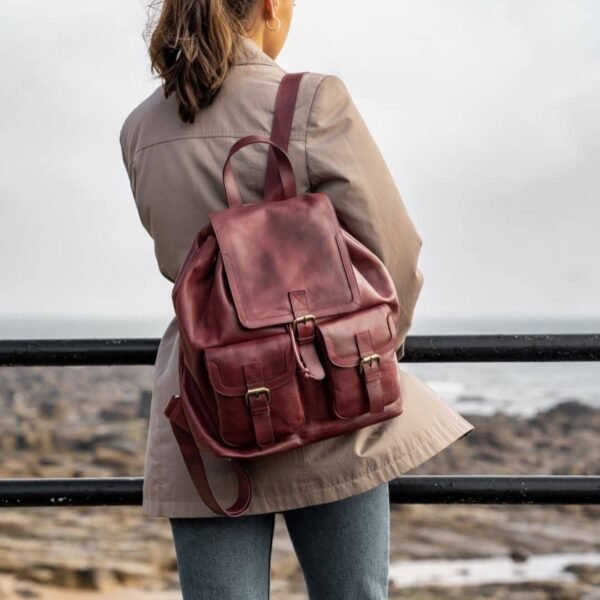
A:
[486,113]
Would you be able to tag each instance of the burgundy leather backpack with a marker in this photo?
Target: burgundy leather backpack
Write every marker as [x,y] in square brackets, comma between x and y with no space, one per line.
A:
[287,324]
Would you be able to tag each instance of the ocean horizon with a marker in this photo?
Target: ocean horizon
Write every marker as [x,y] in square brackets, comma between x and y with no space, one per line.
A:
[63,327]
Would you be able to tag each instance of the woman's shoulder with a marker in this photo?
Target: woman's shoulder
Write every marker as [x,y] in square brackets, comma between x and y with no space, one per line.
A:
[325,86]
[330,106]
[329,81]
[330,91]
[245,102]
[140,125]
[320,96]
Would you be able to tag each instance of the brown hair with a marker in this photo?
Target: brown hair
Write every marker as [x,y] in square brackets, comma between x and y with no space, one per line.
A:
[192,47]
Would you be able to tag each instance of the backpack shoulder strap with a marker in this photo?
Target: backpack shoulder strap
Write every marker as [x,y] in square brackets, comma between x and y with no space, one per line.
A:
[285,104]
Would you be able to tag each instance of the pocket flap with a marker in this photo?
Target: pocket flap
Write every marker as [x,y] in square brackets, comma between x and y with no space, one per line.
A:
[225,363]
[339,335]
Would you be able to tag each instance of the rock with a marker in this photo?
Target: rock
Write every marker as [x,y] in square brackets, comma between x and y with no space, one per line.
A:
[70,576]
[116,413]
[39,574]
[50,460]
[7,587]
[286,568]
[587,573]
[126,446]
[131,573]
[97,578]
[169,564]
[498,438]
[112,457]
[38,440]
[22,407]
[519,554]
[9,442]
[52,408]
[25,592]
[570,408]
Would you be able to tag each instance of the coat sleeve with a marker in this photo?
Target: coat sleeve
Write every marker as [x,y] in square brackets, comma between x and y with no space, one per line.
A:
[129,164]
[126,141]
[344,161]
[125,156]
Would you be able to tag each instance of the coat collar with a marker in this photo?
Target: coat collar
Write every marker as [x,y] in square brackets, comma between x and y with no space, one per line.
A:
[253,54]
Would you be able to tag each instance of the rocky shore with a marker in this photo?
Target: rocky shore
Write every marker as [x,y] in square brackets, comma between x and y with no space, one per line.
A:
[92,422]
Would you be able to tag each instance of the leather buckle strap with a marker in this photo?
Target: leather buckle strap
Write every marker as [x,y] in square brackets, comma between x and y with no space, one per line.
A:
[303,319]
[371,373]
[258,400]
[260,412]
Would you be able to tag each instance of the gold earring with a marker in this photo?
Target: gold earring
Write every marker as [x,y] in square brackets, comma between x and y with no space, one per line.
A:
[278,24]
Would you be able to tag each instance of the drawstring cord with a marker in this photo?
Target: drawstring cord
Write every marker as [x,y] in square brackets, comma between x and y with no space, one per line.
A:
[303,368]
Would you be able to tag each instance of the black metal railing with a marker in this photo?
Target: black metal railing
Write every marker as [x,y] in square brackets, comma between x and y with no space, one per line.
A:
[471,489]
[418,348]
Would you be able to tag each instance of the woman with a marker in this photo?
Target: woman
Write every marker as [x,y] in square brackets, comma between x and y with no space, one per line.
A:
[220,78]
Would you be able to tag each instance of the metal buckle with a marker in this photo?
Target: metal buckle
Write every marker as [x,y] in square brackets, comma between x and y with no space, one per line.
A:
[257,391]
[303,318]
[369,359]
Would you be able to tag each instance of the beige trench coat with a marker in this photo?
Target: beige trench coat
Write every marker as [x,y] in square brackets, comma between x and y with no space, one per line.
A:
[175,172]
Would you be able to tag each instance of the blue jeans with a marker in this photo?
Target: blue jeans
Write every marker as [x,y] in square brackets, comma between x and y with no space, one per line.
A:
[342,547]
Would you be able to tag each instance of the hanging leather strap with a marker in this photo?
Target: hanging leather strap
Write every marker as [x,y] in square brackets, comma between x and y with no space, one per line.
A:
[195,465]
[285,104]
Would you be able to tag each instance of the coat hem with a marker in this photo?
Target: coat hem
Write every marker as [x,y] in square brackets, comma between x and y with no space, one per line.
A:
[364,481]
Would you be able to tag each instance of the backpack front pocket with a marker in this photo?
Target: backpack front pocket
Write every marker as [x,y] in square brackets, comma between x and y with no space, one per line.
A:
[360,361]
[256,390]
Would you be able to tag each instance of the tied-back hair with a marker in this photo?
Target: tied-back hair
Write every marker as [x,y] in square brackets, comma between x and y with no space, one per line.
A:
[192,46]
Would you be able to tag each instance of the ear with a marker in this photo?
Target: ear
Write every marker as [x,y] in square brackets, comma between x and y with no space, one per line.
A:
[271,8]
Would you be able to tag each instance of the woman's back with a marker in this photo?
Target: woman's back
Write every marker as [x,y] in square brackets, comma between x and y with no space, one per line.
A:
[175,170]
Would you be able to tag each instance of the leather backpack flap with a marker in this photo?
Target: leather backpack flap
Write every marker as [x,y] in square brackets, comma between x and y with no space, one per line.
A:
[273,249]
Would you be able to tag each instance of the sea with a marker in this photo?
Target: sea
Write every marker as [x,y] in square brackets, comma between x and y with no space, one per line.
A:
[472,388]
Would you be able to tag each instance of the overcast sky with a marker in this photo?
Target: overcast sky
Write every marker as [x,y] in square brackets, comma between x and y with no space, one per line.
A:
[486,112]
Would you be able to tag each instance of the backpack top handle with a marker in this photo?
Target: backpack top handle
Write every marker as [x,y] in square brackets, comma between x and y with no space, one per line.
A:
[284,169]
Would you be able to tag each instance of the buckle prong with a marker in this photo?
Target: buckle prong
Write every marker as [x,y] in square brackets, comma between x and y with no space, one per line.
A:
[256,392]
[368,359]
[303,318]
